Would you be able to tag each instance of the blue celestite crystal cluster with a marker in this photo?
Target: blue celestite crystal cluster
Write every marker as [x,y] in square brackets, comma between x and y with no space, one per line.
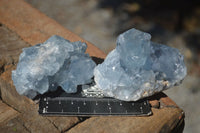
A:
[139,68]
[56,62]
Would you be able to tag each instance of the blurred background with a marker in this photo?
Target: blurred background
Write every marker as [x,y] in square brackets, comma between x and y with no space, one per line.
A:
[172,22]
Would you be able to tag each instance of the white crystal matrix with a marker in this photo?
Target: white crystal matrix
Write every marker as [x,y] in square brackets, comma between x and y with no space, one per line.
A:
[56,62]
[139,68]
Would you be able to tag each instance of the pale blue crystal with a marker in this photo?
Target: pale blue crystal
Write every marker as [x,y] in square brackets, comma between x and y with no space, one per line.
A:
[137,45]
[139,68]
[56,62]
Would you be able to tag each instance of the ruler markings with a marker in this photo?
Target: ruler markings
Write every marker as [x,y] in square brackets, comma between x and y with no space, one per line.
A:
[92,106]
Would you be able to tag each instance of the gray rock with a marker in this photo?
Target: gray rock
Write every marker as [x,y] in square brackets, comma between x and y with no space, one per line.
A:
[139,68]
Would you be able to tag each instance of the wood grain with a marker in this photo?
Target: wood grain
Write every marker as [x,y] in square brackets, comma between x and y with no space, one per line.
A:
[161,121]
[6,113]
[29,27]
[34,27]
[10,48]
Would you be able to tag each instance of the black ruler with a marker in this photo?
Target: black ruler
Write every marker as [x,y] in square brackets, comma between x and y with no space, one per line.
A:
[91,106]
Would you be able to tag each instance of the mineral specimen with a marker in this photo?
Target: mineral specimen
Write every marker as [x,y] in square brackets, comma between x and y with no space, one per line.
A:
[139,68]
[56,62]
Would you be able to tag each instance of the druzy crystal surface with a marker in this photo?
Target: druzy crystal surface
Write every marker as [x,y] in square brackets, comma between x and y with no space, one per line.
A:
[56,62]
[139,68]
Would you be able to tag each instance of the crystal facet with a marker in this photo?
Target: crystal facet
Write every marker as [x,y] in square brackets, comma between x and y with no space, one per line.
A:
[56,62]
[139,68]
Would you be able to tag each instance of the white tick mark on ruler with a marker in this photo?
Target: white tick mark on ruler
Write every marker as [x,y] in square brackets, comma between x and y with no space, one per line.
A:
[78,109]
[44,110]
[108,103]
[141,110]
[110,109]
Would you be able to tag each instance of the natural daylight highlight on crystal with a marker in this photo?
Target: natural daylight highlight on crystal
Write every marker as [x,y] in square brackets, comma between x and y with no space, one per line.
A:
[135,69]
[138,68]
[56,62]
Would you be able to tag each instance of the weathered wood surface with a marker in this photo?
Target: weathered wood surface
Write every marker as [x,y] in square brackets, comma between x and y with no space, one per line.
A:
[6,113]
[22,26]
[34,27]
[10,48]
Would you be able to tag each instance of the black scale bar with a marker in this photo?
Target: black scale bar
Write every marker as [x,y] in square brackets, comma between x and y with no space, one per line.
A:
[80,106]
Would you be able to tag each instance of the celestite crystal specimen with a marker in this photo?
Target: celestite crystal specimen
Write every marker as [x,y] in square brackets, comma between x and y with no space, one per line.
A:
[139,68]
[56,62]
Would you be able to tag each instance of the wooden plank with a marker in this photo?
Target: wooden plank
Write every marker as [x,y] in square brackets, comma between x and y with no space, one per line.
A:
[6,113]
[13,126]
[9,53]
[29,121]
[34,27]
[161,121]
